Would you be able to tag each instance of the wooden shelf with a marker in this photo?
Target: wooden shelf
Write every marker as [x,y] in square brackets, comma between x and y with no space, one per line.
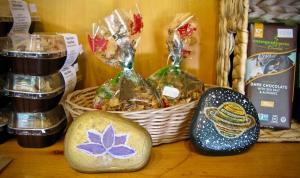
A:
[169,160]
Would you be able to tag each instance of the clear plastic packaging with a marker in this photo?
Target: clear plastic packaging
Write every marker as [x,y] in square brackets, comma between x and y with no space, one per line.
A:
[36,121]
[6,19]
[41,46]
[34,93]
[27,86]
[6,16]
[36,54]
[35,130]
[114,42]
[174,85]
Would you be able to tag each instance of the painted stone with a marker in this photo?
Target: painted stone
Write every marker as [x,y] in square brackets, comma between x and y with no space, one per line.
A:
[104,142]
[224,123]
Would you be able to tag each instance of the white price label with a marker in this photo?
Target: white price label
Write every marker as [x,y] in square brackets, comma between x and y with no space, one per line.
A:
[73,48]
[70,78]
[285,33]
[21,16]
[32,8]
[170,92]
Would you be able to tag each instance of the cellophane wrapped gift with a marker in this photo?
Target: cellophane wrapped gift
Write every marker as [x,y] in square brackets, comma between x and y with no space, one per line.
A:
[114,41]
[174,85]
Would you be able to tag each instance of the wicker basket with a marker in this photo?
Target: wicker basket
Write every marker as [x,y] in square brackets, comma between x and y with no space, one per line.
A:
[233,19]
[165,125]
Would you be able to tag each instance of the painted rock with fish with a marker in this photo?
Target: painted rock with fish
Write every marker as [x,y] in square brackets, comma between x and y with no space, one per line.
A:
[104,142]
[224,123]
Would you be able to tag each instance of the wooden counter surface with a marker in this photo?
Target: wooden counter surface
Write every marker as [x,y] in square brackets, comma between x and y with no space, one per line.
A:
[169,160]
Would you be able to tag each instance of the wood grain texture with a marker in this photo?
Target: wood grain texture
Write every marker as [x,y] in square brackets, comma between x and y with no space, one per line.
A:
[76,16]
[170,160]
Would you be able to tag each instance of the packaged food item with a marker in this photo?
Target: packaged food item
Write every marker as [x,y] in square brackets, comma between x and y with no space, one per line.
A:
[6,24]
[36,130]
[174,85]
[7,20]
[34,93]
[114,42]
[270,72]
[3,126]
[36,54]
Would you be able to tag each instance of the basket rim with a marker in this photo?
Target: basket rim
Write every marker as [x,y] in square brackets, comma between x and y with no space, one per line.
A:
[73,94]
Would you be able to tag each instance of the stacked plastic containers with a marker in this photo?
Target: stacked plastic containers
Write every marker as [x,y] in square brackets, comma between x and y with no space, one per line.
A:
[35,87]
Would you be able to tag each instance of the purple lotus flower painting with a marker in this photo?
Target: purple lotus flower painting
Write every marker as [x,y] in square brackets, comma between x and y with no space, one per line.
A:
[100,144]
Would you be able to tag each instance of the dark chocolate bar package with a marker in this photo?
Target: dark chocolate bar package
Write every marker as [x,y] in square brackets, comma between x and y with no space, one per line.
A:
[271,72]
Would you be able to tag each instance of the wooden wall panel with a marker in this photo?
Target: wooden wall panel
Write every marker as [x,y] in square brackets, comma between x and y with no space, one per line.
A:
[75,16]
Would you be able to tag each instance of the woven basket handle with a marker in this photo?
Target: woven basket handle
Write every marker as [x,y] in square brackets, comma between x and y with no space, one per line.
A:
[233,18]
[271,11]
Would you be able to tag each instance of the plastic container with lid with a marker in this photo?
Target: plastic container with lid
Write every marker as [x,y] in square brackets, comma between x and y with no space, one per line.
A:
[36,54]
[36,130]
[6,24]
[34,93]
[6,18]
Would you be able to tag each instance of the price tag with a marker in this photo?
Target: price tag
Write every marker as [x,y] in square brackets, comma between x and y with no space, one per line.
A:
[170,92]
[73,48]
[70,78]
[21,16]
[32,8]
[285,33]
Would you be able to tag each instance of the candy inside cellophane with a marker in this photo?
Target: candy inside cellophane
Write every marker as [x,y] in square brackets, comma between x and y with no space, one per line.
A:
[114,42]
[119,30]
[174,85]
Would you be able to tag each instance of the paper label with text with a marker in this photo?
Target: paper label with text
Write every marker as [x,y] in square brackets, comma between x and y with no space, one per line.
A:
[170,92]
[73,48]
[70,78]
[21,16]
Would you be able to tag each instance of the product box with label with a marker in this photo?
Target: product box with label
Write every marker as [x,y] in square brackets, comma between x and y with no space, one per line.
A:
[271,72]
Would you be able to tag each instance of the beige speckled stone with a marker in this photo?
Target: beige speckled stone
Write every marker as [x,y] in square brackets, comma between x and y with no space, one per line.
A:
[103,142]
